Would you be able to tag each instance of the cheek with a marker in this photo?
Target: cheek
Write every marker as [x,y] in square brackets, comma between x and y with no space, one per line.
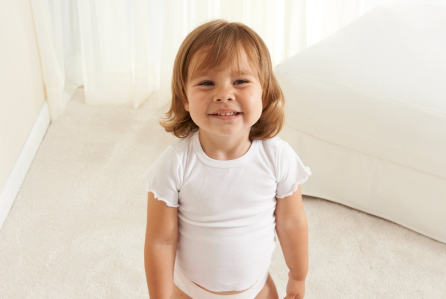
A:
[197,96]
[197,107]
[254,96]
[257,100]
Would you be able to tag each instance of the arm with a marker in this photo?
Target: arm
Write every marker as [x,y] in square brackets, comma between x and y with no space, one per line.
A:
[292,230]
[160,247]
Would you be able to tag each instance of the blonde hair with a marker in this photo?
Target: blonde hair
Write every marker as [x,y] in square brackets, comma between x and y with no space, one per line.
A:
[222,39]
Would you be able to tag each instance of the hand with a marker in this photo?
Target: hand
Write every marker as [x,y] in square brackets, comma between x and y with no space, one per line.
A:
[295,289]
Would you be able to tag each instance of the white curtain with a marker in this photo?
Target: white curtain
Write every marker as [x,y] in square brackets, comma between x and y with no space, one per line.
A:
[122,51]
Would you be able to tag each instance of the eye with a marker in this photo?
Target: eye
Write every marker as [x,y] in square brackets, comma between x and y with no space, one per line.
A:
[244,81]
[204,82]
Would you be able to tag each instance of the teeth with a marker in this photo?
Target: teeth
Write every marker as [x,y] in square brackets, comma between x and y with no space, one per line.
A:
[231,113]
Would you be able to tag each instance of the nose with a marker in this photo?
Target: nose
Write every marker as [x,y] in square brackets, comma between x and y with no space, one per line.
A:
[225,93]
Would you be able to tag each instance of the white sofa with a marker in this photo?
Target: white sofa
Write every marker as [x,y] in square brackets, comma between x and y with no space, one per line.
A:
[366,111]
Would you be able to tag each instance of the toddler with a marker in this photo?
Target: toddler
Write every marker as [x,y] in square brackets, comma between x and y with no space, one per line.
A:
[217,195]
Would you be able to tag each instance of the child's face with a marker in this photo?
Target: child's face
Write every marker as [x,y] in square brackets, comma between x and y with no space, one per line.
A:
[225,89]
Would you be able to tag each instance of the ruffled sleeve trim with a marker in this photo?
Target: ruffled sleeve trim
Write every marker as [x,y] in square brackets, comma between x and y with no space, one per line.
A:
[160,198]
[308,171]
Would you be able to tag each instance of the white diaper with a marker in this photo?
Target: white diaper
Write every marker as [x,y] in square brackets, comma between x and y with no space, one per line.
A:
[195,292]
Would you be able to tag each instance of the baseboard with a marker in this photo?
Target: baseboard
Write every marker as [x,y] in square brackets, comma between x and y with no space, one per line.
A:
[21,166]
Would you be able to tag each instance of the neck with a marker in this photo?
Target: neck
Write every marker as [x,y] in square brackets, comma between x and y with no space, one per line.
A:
[224,147]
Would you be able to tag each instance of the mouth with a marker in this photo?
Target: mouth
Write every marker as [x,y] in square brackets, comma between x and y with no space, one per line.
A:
[236,115]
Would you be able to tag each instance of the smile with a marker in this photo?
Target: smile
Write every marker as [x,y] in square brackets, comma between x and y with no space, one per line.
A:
[226,116]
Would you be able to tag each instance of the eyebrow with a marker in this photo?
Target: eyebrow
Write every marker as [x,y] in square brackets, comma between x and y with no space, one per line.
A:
[204,74]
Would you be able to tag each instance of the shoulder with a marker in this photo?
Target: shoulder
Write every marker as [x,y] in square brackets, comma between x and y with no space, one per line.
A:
[272,146]
[281,147]
[170,156]
[168,165]
[180,151]
[269,149]
[182,145]
[271,143]
[280,153]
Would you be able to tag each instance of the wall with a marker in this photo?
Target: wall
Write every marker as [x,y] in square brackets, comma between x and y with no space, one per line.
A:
[22,91]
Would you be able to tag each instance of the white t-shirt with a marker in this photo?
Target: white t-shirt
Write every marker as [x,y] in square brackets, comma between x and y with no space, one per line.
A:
[226,222]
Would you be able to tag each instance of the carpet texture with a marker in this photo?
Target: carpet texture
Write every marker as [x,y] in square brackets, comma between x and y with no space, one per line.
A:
[77,226]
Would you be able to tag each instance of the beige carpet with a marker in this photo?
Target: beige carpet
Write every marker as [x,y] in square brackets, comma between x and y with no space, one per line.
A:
[76,229]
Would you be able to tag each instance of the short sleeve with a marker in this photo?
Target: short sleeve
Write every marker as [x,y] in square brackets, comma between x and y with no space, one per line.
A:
[163,177]
[291,172]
